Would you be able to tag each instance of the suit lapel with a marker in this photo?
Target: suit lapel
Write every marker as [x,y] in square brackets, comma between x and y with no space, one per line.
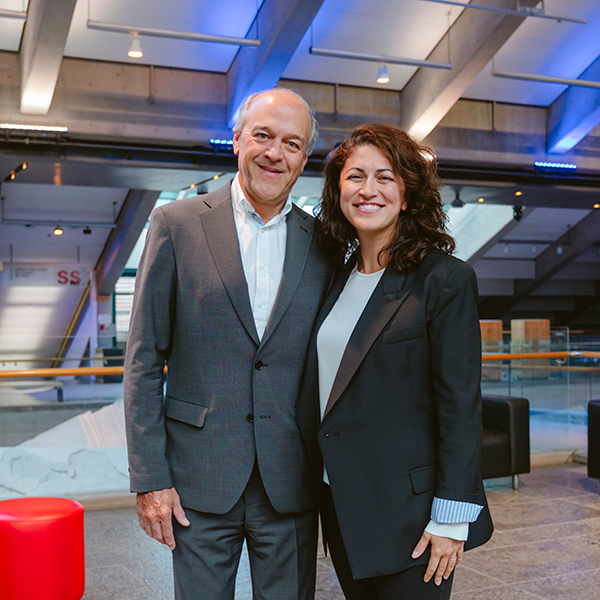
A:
[299,237]
[221,235]
[385,301]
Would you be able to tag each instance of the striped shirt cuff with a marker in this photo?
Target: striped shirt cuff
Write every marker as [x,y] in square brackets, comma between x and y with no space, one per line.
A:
[452,511]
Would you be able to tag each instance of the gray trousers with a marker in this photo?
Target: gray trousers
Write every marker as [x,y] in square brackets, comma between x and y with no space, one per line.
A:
[282,549]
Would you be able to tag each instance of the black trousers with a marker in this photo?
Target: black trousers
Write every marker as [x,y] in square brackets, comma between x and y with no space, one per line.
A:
[404,585]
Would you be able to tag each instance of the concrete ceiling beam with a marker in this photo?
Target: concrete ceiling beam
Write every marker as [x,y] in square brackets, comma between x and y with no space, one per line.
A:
[280,25]
[42,48]
[130,223]
[469,45]
[576,241]
[574,114]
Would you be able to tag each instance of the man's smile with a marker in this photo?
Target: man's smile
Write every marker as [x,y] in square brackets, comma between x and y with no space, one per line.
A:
[270,169]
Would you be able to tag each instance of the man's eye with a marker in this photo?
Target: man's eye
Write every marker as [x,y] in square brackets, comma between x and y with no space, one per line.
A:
[261,136]
[294,145]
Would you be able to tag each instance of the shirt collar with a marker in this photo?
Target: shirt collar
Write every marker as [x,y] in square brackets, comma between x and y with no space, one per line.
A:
[245,210]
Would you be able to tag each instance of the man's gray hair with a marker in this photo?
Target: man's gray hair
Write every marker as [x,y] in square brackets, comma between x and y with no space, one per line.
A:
[314,126]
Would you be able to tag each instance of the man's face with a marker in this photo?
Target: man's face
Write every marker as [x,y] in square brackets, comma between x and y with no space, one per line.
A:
[271,150]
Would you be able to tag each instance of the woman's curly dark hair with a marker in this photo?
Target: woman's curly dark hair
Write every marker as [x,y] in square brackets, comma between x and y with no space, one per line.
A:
[420,228]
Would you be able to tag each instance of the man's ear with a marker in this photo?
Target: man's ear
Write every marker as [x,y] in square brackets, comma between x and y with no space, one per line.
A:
[236,143]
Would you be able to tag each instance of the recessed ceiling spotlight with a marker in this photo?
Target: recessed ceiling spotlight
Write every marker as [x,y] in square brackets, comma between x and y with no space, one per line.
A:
[382,74]
[135,49]
[58,230]
[596,205]
[481,200]
[518,193]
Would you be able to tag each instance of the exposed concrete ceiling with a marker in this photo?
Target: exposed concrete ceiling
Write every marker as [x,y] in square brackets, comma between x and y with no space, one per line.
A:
[145,124]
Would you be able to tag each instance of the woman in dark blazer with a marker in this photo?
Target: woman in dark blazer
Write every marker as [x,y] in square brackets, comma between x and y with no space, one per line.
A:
[390,406]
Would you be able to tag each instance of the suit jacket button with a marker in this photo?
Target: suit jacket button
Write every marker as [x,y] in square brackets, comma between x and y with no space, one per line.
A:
[259,364]
[250,418]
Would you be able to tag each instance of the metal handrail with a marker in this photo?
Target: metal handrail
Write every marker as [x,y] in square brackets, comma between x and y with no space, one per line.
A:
[526,355]
[65,372]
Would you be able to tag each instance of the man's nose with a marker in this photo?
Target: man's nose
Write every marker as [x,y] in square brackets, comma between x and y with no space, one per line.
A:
[274,150]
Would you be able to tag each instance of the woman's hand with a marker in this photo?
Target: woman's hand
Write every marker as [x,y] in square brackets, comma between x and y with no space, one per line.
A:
[446,553]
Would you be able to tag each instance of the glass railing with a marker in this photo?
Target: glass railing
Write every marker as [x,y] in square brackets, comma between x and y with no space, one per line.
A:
[558,385]
[62,427]
[61,420]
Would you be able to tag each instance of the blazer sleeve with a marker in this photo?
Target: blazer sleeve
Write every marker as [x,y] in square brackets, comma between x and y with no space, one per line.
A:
[148,346]
[455,345]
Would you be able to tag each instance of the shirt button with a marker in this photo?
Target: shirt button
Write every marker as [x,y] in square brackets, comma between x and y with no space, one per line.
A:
[260,305]
[262,267]
[250,418]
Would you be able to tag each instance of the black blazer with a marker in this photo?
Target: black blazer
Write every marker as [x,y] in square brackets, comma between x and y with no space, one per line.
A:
[403,421]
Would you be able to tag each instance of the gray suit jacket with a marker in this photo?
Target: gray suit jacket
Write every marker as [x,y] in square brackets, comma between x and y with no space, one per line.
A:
[230,398]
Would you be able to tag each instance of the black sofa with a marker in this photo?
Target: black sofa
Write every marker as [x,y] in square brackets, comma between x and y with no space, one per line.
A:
[593,463]
[505,448]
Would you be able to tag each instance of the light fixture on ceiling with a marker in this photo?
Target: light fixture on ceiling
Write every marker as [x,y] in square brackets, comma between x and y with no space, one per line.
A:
[221,144]
[201,183]
[87,231]
[520,11]
[547,79]
[382,74]
[518,193]
[135,49]
[481,200]
[457,202]
[58,230]
[170,33]
[380,58]
[517,212]
[13,174]
[596,205]
[554,166]
[24,127]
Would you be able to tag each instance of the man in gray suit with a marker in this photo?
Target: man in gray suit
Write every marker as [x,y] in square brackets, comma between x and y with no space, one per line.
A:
[227,291]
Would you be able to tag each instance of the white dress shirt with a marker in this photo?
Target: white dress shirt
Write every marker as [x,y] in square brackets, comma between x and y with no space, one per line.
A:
[262,246]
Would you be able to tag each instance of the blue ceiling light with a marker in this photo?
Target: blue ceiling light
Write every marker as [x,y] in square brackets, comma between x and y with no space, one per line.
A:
[552,166]
[221,145]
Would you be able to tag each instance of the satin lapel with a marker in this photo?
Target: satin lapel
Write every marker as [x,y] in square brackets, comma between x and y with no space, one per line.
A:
[299,237]
[387,298]
[221,235]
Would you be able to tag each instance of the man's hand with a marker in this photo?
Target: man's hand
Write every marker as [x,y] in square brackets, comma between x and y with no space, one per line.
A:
[155,511]
[446,553]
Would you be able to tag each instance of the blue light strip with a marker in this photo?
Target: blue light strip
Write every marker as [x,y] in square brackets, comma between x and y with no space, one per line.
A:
[550,165]
[217,142]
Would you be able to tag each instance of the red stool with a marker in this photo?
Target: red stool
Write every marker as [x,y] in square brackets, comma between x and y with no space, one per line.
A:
[41,549]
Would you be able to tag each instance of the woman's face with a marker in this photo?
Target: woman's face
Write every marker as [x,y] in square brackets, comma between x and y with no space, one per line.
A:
[371,195]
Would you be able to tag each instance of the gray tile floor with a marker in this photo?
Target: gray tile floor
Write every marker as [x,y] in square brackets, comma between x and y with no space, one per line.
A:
[546,546]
